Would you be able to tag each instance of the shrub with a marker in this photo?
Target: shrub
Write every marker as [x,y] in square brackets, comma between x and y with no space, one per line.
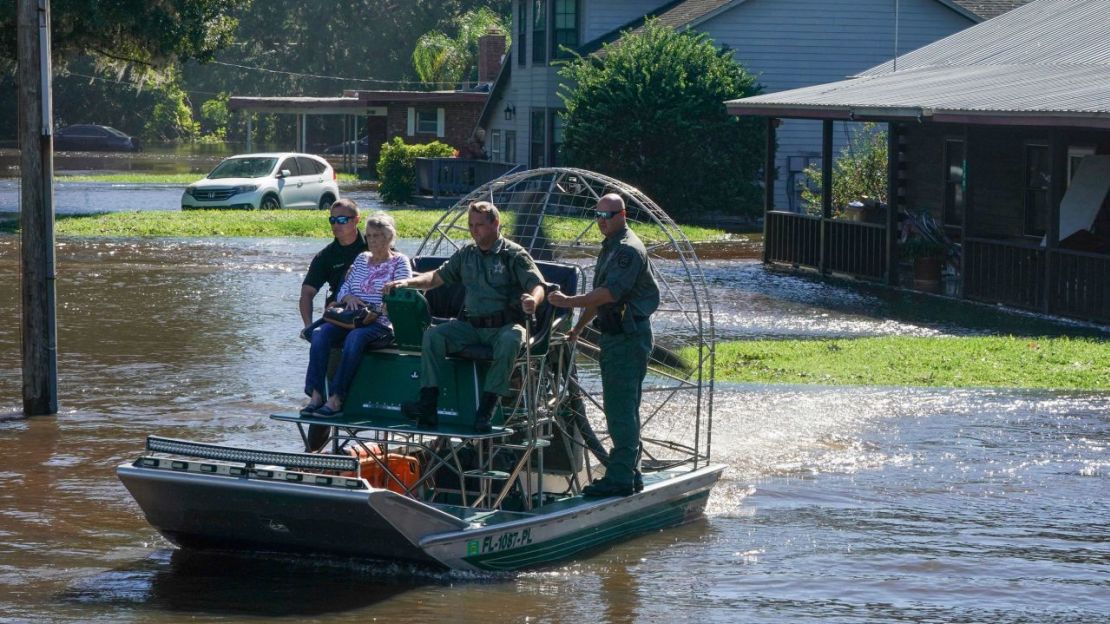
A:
[859,171]
[650,110]
[397,167]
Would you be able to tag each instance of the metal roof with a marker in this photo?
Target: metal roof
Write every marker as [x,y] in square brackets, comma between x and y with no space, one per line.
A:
[1046,62]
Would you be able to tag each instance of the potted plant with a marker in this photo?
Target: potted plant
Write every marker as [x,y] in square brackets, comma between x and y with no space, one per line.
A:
[928,258]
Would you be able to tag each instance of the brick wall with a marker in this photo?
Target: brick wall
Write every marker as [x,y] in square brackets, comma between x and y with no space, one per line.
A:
[460,119]
[491,47]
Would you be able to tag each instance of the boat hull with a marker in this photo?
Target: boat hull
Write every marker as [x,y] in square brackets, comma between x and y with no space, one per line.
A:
[204,511]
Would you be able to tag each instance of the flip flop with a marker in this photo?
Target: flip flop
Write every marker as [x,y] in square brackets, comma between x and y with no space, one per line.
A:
[309,410]
[326,412]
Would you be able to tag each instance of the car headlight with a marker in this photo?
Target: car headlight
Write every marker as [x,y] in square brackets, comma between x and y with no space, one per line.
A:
[189,190]
[245,188]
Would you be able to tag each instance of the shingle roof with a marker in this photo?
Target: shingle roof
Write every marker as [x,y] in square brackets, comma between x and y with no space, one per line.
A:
[987,9]
[1047,59]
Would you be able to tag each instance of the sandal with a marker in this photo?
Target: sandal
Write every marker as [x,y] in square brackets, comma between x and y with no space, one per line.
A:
[310,409]
[326,412]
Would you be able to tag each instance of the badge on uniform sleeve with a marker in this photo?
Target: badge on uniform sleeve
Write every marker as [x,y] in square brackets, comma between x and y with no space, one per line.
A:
[624,259]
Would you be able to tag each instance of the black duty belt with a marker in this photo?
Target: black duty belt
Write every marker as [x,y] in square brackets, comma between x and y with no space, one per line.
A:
[497,319]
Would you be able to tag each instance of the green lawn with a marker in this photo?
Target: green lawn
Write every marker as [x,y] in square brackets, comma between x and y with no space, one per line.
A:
[1002,362]
[309,223]
[158,178]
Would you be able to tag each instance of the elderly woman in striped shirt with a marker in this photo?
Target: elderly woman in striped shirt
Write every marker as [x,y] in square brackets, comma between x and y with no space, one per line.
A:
[361,288]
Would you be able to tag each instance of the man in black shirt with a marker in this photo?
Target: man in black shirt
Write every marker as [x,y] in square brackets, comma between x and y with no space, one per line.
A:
[331,264]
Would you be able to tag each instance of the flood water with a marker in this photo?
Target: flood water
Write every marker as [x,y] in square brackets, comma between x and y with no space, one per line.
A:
[839,504]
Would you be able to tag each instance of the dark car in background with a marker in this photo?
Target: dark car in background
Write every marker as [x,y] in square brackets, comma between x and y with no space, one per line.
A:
[338,148]
[91,137]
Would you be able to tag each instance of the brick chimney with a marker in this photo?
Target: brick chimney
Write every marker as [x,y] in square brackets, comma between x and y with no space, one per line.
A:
[491,49]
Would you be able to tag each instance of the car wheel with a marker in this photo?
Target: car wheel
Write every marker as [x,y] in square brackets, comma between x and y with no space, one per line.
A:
[326,200]
[270,202]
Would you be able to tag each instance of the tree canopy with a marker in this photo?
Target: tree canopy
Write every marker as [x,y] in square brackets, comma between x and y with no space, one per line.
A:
[649,110]
[117,61]
[132,31]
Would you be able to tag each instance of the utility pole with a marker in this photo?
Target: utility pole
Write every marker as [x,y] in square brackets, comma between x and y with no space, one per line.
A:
[36,142]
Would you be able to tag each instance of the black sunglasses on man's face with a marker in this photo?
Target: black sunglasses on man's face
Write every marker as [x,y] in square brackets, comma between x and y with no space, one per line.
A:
[606,214]
[340,220]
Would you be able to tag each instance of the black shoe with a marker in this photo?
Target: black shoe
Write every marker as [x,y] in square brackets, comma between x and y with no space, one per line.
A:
[483,419]
[637,482]
[425,409]
[604,488]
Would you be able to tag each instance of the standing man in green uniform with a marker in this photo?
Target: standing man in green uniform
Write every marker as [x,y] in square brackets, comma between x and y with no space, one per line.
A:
[620,305]
[503,285]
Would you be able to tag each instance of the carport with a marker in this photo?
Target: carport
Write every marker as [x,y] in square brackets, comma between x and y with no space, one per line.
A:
[352,108]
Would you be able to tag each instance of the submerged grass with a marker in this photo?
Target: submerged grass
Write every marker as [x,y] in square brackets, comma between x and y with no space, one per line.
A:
[955,362]
[305,223]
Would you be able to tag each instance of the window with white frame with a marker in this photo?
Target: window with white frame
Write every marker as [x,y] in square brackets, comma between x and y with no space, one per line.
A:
[495,146]
[427,121]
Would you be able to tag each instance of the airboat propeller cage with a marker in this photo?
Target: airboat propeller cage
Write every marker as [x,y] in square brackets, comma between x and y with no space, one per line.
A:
[550,212]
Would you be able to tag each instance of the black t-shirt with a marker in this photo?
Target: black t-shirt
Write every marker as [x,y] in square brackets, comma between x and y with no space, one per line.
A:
[331,264]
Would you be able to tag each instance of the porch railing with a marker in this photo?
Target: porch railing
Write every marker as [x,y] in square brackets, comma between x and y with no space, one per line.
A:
[851,247]
[792,238]
[1080,285]
[1004,272]
[856,248]
[456,176]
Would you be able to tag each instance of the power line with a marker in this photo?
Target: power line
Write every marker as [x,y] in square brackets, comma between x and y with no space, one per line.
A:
[323,77]
[130,84]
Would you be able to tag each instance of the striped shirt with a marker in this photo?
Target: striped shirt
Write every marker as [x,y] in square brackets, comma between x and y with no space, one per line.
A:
[365,279]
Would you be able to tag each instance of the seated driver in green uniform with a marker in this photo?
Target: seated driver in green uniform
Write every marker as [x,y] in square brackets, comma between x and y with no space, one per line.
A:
[503,285]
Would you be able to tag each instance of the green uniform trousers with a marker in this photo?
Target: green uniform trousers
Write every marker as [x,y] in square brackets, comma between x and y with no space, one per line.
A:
[452,336]
[624,359]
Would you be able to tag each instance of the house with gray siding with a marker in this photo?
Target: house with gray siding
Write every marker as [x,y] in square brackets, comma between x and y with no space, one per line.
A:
[786,43]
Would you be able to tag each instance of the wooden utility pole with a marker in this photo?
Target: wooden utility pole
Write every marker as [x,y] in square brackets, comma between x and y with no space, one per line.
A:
[36,143]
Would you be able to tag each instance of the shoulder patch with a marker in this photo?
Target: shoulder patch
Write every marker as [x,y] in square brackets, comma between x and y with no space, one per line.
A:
[624,258]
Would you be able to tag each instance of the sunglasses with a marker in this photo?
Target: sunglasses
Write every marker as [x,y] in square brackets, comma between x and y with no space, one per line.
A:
[606,214]
[341,220]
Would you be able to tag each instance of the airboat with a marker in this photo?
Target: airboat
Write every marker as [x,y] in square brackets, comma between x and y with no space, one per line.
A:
[508,499]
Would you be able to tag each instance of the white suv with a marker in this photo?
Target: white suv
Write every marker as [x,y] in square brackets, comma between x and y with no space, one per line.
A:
[266,181]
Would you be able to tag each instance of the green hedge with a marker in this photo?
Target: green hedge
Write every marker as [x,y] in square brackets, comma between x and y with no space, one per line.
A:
[397,167]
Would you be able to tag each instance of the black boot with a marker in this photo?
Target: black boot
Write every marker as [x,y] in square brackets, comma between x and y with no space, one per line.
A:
[424,410]
[484,417]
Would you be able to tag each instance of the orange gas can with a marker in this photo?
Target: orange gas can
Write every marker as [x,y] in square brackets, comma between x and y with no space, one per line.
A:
[405,468]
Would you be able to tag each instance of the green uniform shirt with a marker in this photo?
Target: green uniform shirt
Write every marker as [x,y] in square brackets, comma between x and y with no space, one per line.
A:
[494,279]
[622,267]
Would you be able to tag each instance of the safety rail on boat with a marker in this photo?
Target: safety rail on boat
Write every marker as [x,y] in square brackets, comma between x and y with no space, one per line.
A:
[251,457]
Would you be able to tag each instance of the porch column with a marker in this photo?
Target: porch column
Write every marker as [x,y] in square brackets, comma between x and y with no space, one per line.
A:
[1058,161]
[826,192]
[250,132]
[892,200]
[768,178]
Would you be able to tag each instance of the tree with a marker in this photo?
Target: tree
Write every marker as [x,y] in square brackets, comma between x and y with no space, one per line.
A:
[649,110]
[860,171]
[439,59]
[130,31]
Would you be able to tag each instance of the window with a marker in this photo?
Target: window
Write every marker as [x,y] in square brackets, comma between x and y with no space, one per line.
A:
[309,166]
[510,146]
[495,146]
[954,182]
[1076,154]
[538,138]
[427,121]
[290,164]
[1037,178]
[539,31]
[565,28]
[521,42]
[558,128]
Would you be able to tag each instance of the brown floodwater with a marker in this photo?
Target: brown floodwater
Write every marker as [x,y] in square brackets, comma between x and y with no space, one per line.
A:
[861,504]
